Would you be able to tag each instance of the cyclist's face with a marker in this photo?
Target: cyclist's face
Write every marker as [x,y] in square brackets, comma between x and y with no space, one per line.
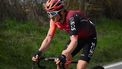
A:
[59,18]
[54,15]
[56,18]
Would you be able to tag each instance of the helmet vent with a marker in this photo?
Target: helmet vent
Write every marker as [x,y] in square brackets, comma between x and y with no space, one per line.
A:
[49,0]
[47,6]
[53,4]
[58,4]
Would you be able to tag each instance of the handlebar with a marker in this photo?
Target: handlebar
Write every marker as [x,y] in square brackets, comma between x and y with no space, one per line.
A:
[53,59]
[47,59]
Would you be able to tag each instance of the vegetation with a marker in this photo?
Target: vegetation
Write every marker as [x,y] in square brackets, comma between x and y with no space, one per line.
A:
[18,40]
[109,42]
[33,9]
[20,37]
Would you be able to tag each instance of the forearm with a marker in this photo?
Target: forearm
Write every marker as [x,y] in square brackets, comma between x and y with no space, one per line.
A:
[45,44]
[70,48]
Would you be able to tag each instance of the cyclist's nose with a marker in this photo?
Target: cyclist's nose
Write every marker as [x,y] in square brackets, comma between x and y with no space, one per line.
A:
[56,18]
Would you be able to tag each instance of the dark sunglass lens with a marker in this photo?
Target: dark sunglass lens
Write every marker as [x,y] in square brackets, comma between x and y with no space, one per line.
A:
[53,13]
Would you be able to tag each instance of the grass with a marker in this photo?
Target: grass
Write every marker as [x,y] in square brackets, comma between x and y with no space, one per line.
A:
[109,42]
[18,40]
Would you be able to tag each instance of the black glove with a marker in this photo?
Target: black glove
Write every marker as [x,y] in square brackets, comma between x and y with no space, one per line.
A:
[39,53]
[62,59]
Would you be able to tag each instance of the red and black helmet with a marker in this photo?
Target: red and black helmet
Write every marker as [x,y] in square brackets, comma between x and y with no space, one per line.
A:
[54,5]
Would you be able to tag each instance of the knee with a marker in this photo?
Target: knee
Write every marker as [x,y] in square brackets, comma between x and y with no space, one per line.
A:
[81,64]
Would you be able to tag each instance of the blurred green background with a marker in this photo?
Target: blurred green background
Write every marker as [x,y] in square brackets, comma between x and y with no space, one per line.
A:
[24,24]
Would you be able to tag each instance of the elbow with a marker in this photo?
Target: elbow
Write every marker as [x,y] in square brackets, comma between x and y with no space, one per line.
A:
[74,42]
[74,39]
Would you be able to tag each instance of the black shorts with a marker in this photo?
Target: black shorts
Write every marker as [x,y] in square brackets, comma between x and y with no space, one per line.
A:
[88,45]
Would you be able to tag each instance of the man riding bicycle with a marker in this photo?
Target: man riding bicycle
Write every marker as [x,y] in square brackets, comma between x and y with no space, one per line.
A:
[81,31]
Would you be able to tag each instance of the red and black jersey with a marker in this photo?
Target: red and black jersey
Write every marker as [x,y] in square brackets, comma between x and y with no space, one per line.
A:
[77,24]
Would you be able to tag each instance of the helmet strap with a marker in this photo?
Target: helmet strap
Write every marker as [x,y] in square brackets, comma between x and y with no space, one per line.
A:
[62,17]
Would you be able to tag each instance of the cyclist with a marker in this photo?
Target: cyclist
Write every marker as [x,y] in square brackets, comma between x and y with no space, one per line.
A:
[81,31]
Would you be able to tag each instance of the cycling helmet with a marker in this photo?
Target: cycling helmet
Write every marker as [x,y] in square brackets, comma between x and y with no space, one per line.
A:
[54,5]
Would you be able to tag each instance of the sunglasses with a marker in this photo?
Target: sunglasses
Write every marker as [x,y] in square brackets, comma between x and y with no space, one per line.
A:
[53,13]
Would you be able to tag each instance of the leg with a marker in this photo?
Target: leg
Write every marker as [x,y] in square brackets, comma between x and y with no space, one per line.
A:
[85,56]
[81,64]
[58,67]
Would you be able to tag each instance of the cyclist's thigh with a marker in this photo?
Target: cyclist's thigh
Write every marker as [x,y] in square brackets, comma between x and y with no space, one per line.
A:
[88,49]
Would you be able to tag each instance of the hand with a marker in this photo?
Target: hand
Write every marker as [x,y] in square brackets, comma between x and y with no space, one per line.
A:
[36,56]
[61,60]
[68,56]
[57,61]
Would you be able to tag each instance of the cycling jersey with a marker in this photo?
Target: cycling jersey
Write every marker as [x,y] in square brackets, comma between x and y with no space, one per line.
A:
[76,24]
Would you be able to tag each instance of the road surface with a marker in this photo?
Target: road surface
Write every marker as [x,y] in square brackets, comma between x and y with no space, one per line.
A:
[117,65]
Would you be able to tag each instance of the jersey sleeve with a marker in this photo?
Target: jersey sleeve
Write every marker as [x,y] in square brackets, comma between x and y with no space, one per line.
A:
[73,26]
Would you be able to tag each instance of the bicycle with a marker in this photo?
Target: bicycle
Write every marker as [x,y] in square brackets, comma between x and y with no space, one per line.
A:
[52,59]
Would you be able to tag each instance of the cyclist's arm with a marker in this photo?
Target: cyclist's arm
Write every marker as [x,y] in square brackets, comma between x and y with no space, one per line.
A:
[73,23]
[72,45]
[46,42]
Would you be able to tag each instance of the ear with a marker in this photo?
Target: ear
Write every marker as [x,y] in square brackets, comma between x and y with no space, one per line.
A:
[44,5]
